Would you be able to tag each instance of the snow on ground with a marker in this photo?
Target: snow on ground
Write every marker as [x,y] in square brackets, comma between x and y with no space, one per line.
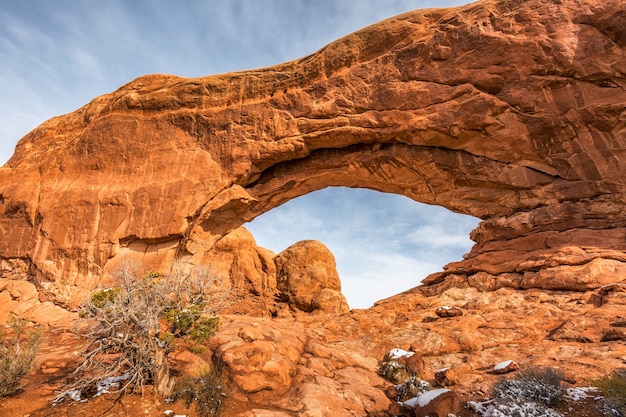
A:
[103,387]
[493,408]
[577,394]
[399,353]
[502,365]
[425,398]
[496,408]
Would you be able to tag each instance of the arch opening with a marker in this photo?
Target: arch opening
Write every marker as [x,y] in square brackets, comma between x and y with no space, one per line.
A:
[383,243]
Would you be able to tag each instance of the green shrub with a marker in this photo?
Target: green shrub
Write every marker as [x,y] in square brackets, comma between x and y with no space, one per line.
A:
[613,388]
[17,356]
[203,329]
[103,297]
[182,319]
[189,323]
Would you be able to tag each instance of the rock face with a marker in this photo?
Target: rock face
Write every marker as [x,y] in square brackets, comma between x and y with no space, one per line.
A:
[512,111]
[307,278]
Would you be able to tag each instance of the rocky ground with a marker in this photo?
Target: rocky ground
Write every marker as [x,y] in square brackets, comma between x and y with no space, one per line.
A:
[329,365]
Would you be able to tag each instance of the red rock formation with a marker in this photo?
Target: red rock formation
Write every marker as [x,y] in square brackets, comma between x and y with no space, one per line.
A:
[513,111]
[307,278]
[509,111]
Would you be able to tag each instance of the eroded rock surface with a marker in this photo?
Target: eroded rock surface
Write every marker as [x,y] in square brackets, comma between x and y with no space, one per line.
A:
[307,278]
[509,111]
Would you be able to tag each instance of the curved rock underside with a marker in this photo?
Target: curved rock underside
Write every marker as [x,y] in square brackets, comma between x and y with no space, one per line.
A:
[511,111]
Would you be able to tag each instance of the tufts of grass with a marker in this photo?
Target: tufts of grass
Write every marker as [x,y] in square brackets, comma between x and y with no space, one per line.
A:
[613,389]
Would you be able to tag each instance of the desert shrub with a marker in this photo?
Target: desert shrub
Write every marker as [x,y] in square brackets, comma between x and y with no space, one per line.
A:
[613,389]
[206,391]
[17,356]
[411,388]
[530,394]
[541,385]
[394,372]
[135,324]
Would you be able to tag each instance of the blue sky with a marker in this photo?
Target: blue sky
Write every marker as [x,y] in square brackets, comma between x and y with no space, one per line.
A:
[55,56]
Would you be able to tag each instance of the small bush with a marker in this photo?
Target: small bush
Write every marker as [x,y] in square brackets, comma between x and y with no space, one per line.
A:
[613,388]
[17,356]
[203,329]
[411,388]
[541,385]
[206,391]
[105,296]
[394,372]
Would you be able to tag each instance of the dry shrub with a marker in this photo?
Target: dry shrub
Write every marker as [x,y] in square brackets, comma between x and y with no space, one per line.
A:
[135,324]
[540,385]
[17,356]
[207,391]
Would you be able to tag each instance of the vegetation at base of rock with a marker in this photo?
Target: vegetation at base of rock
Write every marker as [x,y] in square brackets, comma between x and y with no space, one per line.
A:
[394,372]
[540,385]
[133,326]
[17,356]
[613,389]
[207,391]
[532,393]
[412,387]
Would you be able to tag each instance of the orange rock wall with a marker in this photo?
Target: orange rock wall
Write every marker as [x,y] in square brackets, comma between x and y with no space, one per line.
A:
[506,110]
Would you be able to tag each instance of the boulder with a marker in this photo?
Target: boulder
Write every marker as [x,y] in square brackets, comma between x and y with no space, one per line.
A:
[445,377]
[260,355]
[506,367]
[439,402]
[448,311]
[307,277]
[413,362]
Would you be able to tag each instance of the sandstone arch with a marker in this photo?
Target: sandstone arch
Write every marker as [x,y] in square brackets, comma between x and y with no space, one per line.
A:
[514,115]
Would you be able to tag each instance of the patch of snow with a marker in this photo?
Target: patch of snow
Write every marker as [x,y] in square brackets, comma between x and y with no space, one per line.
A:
[502,365]
[103,387]
[399,353]
[74,395]
[484,408]
[580,393]
[425,398]
[492,408]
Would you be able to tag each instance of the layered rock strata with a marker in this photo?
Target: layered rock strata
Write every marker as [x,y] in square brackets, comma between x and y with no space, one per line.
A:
[511,111]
